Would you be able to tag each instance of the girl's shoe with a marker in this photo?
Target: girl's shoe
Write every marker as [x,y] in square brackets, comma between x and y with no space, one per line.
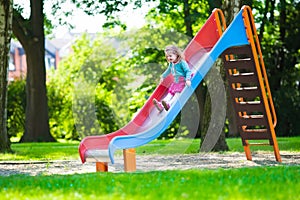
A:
[158,105]
[165,105]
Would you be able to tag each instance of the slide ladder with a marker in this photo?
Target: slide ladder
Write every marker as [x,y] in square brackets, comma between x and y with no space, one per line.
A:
[250,92]
[239,46]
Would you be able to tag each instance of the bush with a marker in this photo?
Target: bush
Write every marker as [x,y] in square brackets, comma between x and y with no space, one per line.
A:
[16,104]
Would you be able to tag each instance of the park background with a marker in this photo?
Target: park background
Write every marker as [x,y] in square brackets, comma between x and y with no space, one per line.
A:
[113,71]
[123,66]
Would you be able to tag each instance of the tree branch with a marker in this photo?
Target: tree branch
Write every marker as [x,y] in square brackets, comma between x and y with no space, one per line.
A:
[19,27]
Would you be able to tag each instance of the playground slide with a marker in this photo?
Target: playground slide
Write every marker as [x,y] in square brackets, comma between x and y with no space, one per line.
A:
[148,123]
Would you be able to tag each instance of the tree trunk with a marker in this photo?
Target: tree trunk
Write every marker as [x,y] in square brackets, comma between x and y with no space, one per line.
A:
[31,35]
[36,122]
[187,19]
[201,90]
[214,4]
[216,141]
[5,37]
[200,94]
[264,20]
[212,127]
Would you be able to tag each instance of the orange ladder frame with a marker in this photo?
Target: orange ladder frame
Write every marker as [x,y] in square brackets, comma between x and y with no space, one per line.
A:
[263,80]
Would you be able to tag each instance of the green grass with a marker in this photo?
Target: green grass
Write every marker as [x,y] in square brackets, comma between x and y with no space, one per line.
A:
[280,182]
[246,183]
[66,151]
[284,143]
[42,151]
[192,146]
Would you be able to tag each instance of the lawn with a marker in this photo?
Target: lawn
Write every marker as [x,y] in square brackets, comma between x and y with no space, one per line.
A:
[245,183]
[69,150]
[281,182]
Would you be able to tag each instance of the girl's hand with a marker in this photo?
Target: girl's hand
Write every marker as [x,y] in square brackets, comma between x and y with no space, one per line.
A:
[188,83]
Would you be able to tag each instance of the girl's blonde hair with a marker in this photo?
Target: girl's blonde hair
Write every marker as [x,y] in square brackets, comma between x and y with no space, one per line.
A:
[174,50]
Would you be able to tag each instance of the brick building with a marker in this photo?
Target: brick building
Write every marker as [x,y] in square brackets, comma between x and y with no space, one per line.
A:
[54,51]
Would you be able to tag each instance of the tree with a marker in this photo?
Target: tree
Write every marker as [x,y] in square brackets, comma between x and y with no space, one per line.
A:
[279,34]
[96,105]
[30,32]
[5,37]
[230,9]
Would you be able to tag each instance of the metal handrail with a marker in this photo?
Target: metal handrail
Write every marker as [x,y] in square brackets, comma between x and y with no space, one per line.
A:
[221,24]
[262,75]
[260,66]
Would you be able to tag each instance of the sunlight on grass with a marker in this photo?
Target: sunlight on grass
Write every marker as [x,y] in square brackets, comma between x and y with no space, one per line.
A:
[42,151]
[69,150]
[282,182]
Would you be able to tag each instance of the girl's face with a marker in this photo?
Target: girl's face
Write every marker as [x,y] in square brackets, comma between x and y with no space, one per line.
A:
[171,57]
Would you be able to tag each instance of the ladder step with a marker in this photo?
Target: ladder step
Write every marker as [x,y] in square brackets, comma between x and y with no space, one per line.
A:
[246,95]
[259,144]
[244,74]
[256,136]
[249,107]
[237,93]
[247,67]
[249,89]
[243,78]
[255,130]
[245,50]
[253,116]
[241,64]
[252,121]
[249,102]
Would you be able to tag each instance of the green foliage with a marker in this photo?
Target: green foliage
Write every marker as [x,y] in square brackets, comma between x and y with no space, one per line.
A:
[244,183]
[172,15]
[107,79]
[106,7]
[60,111]
[85,85]
[16,104]
[281,50]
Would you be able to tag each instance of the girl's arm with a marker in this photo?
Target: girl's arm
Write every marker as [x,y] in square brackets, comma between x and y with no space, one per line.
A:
[167,72]
[187,70]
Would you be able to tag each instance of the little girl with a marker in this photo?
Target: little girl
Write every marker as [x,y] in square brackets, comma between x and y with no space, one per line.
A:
[181,73]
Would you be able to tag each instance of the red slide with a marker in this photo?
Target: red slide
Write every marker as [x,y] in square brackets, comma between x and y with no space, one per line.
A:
[203,42]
